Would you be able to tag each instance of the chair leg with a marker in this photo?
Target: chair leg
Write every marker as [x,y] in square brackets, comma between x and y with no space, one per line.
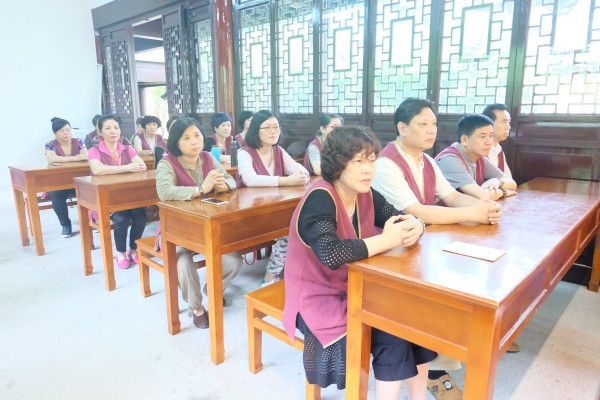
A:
[254,339]
[144,274]
[313,392]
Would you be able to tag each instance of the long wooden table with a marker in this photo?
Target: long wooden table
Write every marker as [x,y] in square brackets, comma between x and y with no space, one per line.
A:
[467,308]
[106,194]
[28,181]
[253,216]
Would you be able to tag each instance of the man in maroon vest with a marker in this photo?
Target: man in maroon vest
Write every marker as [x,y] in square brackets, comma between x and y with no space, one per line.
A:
[499,115]
[412,182]
[466,166]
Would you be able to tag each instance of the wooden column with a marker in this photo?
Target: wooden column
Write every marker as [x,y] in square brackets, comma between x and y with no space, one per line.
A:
[223,35]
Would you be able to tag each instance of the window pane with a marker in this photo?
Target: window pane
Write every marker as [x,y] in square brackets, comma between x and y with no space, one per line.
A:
[560,82]
[295,56]
[401,56]
[202,35]
[467,85]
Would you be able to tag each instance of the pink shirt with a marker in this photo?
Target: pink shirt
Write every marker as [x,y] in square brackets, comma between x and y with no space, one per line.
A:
[94,152]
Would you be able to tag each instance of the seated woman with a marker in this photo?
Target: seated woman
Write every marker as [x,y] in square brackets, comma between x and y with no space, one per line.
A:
[312,157]
[340,219]
[145,142]
[243,123]
[64,148]
[221,123]
[263,163]
[93,138]
[110,156]
[184,174]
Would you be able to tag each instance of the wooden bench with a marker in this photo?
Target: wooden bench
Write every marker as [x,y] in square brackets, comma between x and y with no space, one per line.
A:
[148,257]
[269,301]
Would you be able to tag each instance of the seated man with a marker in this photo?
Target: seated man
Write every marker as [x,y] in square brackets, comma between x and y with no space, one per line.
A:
[466,166]
[499,115]
[411,181]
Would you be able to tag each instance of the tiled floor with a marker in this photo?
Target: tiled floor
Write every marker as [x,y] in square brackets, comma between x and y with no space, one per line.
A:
[63,336]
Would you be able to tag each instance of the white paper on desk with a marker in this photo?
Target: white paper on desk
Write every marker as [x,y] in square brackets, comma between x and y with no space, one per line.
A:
[198,257]
[472,250]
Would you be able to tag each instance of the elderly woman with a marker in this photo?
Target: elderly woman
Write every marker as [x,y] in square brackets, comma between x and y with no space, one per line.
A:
[145,142]
[64,148]
[341,219]
[312,157]
[111,156]
[184,174]
[263,163]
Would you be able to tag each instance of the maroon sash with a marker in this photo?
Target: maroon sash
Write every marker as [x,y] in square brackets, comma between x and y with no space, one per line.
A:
[307,165]
[501,160]
[259,166]
[159,141]
[240,141]
[313,290]
[479,164]
[182,178]
[429,183]
[74,147]
[228,140]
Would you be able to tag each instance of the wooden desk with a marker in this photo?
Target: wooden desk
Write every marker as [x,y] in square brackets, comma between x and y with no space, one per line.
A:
[33,179]
[106,194]
[253,216]
[470,309]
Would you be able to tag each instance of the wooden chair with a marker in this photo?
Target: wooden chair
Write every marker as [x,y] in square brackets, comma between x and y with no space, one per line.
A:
[269,301]
[45,203]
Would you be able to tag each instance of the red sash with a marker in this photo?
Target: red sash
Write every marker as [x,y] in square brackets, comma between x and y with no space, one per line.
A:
[307,165]
[479,164]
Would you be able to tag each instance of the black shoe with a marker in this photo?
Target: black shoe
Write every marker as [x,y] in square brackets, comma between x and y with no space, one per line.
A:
[201,321]
[66,232]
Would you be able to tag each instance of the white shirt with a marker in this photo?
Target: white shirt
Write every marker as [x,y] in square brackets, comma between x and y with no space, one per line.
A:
[250,178]
[493,157]
[390,182]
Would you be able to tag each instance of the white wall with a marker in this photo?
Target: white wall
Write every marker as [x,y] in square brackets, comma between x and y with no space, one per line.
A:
[48,69]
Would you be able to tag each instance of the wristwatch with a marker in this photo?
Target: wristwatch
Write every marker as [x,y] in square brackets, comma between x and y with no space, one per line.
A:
[201,190]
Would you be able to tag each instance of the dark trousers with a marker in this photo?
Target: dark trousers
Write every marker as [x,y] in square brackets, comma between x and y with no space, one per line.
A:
[59,204]
[121,220]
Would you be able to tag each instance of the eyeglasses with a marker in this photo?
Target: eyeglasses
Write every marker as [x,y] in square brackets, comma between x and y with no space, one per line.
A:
[273,128]
[332,126]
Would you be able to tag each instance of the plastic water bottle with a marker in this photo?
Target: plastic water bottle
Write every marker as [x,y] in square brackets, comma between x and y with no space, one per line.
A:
[233,147]
[216,152]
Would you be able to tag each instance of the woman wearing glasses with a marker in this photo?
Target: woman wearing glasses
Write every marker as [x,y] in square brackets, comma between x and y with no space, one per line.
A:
[263,163]
[312,157]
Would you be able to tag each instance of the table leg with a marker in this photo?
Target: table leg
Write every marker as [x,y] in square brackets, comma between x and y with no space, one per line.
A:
[21,216]
[595,279]
[86,240]
[214,280]
[106,245]
[482,356]
[358,345]
[34,219]
[171,288]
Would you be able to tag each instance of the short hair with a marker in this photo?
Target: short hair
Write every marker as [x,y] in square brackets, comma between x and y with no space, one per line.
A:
[342,145]
[241,119]
[252,137]
[148,119]
[410,107]
[108,117]
[138,120]
[95,119]
[176,131]
[488,111]
[218,119]
[470,122]
[58,124]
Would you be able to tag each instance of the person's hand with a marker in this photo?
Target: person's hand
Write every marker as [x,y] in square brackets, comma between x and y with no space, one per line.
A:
[403,230]
[81,157]
[509,193]
[297,179]
[135,167]
[213,179]
[487,212]
[492,184]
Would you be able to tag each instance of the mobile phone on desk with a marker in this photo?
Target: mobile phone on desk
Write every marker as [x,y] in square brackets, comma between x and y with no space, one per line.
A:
[217,202]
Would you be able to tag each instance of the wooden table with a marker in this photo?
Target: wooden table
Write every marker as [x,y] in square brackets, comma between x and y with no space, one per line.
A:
[466,308]
[106,194]
[253,216]
[29,180]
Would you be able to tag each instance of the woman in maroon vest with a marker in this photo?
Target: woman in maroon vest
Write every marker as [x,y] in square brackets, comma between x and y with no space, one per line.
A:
[263,163]
[243,122]
[312,157]
[341,219]
[145,142]
[108,157]
[64,148]
[221,123]
[185,174]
